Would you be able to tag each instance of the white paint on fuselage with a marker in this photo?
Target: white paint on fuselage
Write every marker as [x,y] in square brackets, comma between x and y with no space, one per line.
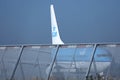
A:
[83,66]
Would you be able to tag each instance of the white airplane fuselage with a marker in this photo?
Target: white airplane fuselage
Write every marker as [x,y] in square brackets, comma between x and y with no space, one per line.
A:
[68,59]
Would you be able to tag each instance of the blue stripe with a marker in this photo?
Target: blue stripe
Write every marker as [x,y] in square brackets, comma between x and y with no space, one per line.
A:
[82,54]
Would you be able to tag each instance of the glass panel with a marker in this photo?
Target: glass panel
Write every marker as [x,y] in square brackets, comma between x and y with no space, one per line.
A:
[72,62]
[9,56]
[113,70]
[33,63]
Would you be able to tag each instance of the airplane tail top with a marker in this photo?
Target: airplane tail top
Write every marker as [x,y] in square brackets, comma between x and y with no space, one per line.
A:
[54,28]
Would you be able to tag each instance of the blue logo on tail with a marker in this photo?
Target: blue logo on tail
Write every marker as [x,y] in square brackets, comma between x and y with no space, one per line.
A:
[54,32]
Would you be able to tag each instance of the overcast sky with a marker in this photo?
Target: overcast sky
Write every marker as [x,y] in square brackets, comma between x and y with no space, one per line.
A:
[80,21]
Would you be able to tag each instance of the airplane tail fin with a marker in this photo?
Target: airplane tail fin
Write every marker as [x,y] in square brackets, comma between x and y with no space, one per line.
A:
[55,32]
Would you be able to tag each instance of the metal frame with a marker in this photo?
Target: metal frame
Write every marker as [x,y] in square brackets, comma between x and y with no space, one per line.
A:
[16,65]
[92,59]
[52,63]
[53,60]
